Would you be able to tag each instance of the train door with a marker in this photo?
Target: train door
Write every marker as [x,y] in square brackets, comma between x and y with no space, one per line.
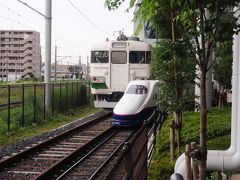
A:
[119,70]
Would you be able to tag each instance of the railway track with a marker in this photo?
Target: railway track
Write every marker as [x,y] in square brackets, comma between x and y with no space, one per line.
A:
[96,160]
[12,104]
[41,160]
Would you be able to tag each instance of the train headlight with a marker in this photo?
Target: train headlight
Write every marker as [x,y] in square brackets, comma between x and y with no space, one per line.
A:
[97,79]
[132,72]
[106,72]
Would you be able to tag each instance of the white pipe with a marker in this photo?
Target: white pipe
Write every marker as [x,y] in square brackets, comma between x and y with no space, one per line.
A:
[229,159]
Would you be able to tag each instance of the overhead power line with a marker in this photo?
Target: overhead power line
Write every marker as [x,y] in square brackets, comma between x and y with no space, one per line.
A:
[89,20]
[34,25]
[13,21]
[19,15]
[33,9]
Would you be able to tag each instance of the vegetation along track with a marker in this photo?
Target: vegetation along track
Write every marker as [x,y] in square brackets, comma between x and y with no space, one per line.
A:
[33,162]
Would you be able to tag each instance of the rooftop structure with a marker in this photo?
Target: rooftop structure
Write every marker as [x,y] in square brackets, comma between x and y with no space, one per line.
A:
[146,33]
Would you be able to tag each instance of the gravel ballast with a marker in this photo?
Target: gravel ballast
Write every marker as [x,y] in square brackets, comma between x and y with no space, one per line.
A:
[23,144]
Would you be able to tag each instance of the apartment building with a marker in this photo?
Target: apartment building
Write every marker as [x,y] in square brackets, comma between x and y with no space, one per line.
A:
[20,54]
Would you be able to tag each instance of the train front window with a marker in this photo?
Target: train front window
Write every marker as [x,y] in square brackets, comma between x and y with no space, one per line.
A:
[148,57]
[139,57]
[119,57]
[137,89]
[99,56]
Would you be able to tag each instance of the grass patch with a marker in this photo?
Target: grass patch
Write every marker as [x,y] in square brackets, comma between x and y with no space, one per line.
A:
[59,120]
[64,96]
[218,137]
[219,143]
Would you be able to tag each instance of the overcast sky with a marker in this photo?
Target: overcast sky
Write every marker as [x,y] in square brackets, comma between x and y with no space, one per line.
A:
[73,33]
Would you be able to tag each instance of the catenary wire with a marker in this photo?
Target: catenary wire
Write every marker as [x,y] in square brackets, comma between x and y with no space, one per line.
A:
[89,20]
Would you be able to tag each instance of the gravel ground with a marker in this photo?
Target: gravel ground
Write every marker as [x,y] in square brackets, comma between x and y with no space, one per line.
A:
[21,145]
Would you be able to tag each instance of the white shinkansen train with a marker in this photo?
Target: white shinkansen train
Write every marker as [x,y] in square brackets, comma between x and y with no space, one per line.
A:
[137,104]
[113,65]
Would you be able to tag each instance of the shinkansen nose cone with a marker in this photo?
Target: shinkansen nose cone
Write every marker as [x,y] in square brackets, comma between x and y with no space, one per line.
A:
[136,105]
[129,104]
[132,100]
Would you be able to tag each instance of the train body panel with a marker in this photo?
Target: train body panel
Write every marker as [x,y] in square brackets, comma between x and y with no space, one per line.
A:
[113,65]
[137,103]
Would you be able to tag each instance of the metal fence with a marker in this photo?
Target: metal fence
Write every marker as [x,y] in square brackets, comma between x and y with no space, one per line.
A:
[137,153]
[24,104]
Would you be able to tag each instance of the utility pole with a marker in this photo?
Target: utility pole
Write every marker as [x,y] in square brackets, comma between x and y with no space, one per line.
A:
[16,66]
[1,59]
[80,69]
[87,68]
[7,66]
[55,69]
[48,40]
[68,71]
[73,71]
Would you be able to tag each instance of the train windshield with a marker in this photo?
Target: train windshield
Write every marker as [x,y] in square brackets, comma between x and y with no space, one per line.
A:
[99,56]
[138,57]
[137,89]
[119,57]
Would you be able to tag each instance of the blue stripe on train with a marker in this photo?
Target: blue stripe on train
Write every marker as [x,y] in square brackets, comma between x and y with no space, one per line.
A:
[134,119]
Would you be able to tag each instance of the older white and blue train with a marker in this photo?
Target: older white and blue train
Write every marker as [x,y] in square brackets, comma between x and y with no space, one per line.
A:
[113,64]
[137,103]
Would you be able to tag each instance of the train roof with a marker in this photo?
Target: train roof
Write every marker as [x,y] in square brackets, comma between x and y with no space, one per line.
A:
[130,44]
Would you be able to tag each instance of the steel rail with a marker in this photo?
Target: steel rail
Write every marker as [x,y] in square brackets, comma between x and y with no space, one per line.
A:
[87,155]
[50,171]
[12,159]
[12,104]
[110,157]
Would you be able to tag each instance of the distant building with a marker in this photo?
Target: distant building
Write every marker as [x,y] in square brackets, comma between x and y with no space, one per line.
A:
[20,54]
[65,71]
[62,71]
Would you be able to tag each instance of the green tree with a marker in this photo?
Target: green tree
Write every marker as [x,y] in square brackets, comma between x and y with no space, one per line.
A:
[175,68]
[223,72]
[223,66]
[202,24]
[222,69]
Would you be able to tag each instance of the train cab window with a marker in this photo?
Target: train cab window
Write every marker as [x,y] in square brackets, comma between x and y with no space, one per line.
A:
[148,57]
[119,57]
[139,57]
[99,56]
[137,89]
